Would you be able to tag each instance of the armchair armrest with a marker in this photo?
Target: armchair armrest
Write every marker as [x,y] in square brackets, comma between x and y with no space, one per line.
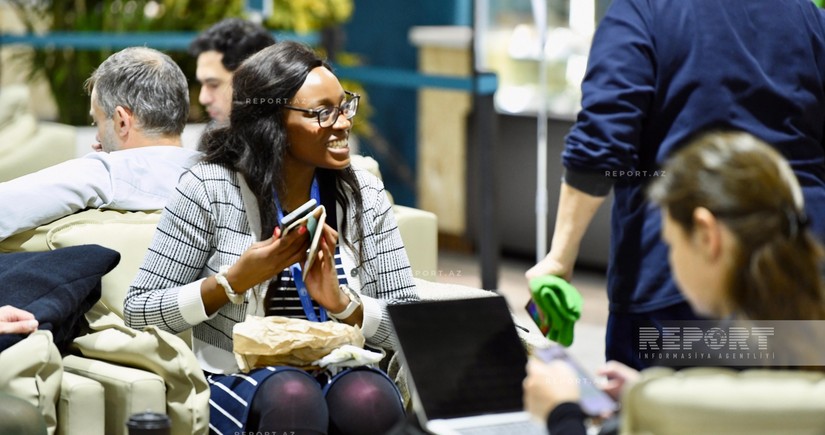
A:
[126,390]
[419,231]
[81,407]
[186,392]
[31,369]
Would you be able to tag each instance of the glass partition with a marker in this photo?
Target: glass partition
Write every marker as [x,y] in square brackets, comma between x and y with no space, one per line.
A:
[509,43]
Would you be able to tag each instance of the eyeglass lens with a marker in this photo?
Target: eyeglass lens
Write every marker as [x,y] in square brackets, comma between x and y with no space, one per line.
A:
[327,117]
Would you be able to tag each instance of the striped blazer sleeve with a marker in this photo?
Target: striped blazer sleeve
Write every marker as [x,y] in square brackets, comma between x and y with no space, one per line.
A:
[388,275]
[176,258]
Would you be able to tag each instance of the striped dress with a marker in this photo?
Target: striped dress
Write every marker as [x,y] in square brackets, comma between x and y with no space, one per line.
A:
[282,297]
[230,395]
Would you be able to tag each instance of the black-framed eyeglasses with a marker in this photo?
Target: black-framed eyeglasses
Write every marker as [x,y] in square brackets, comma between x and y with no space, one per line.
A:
[328,115]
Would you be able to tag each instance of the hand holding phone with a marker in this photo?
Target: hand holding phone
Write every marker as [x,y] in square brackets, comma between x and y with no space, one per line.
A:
[594,401]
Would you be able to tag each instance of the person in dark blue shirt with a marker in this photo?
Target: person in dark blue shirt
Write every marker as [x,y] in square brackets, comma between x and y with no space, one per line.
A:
[658,71]
[741,251]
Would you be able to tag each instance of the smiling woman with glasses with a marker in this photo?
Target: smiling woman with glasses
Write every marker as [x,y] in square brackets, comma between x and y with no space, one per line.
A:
[328,115]
[219,254]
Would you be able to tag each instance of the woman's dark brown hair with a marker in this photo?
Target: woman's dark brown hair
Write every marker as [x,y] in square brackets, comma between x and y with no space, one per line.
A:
[750,188]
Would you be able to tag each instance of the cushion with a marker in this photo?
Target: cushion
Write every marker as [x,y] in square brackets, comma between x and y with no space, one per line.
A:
[33,240]
[367,163]
[58,287]
[32,370]
[128,233]
[719,400]
[370,165]
[27,145]
[14,104]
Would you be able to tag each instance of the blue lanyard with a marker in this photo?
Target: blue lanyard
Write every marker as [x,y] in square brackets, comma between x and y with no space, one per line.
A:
[295,269]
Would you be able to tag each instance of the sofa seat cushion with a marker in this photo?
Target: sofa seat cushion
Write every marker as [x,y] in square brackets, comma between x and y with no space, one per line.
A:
[128,233]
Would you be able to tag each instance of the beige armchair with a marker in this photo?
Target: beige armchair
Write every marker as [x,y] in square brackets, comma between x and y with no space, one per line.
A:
[711,400]
[124,370]
[117,371]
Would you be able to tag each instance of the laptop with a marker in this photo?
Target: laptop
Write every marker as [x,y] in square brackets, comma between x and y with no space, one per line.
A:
[465,365]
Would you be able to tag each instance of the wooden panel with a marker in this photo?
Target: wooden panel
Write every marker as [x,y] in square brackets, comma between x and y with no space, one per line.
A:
[442,139]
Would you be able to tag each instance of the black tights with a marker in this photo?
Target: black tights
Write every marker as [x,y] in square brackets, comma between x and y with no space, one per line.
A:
[358,402]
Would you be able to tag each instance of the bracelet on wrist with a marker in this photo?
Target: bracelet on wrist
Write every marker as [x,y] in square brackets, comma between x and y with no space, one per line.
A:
[235,298]
[354,303]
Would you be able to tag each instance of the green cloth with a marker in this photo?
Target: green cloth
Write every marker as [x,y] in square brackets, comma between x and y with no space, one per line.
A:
[561,305]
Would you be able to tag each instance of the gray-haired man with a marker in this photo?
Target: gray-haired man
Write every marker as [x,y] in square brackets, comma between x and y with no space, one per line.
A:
[140,104]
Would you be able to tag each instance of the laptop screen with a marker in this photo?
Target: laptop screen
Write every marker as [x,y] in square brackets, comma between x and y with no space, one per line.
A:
[464,356]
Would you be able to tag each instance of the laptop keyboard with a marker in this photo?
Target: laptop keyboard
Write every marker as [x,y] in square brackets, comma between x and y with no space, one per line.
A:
[516,427]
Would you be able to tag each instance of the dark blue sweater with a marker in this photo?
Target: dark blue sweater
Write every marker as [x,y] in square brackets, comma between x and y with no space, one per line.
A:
[661,69]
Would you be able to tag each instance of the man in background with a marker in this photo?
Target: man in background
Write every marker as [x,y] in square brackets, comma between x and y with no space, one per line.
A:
[140,105]
[220,50]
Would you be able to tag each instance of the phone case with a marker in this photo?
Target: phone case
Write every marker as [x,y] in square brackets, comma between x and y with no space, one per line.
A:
[315,224]
[297,216]
[538,317]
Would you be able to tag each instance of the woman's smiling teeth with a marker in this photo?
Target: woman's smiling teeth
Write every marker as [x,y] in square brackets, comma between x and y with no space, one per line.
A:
[336,144]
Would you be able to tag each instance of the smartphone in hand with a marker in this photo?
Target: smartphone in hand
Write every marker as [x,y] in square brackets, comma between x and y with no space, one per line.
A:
[288,221]
[315,228]
[313,216]
[538,317]
[594,401]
